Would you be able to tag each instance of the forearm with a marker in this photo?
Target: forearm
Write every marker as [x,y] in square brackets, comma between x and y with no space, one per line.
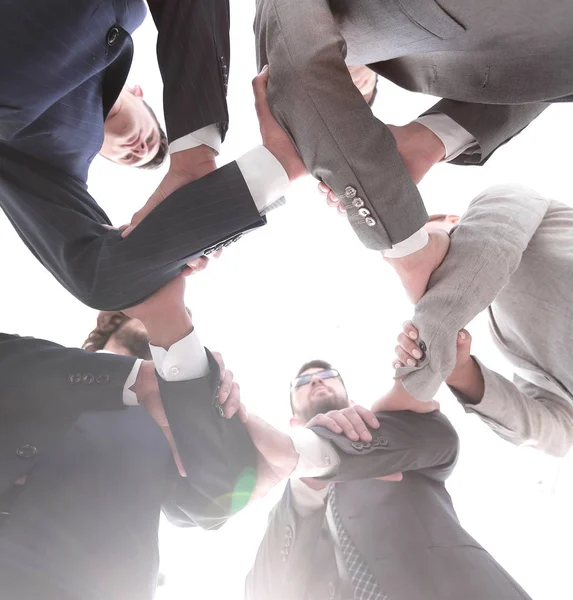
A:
[312,95]
[467,380]
[486,249]
[521,414]
[492,125]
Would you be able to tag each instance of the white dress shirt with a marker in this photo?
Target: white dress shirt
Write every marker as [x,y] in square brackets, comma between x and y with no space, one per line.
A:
[185,360]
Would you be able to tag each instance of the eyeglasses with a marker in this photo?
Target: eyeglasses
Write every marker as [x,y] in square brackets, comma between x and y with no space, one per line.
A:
[304,379]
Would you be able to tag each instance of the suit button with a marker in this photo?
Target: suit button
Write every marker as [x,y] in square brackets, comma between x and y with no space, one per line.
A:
[370,221]
[422,346]
[174,371]
[102,379]
[220,410]
[228,243]
[358,446]
[88,379]
[75,378]
[364,212]
[26,451]
[349,191]
[289,532]
[331,590]
[358,202]
[366,445]
[208,251]
[380,442]
[112,35]
[237,237]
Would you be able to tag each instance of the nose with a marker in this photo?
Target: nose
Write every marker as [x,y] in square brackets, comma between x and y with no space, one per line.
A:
[316,380]
[140,150]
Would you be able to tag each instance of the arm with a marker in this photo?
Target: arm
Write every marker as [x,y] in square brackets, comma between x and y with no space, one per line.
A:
[486,248]
[518,412]
[31,370]
[312,95]
[491,125]
[282,568]
[64,227]
[405,441]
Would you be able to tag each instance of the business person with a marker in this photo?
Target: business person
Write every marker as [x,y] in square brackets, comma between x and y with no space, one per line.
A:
[511,255]
[496,66]
[361,537]
[62,74]
[94,446]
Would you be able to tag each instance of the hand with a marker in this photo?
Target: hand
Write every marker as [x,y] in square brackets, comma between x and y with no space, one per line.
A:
[419,147]
[365,80]
[146,389]
[398,398]
[185,166]
[164,314]
[229,392]
[275,138]
[201,263]
[353,422]
[331,198]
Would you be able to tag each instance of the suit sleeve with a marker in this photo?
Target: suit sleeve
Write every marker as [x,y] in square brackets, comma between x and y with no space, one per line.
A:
[64,227]
[193,53]
[486,249]
[219,458]
[311,94]
[406,441]
[522,413]
[32,370]
[282,569]
[491,125]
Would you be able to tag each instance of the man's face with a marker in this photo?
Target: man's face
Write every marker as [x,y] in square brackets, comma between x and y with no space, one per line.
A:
[131,134]
[130,339]
[318,396]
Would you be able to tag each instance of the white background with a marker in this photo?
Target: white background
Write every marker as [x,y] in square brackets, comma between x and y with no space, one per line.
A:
[303,288]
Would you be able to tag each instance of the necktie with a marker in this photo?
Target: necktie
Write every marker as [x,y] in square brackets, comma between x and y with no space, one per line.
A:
[364,585]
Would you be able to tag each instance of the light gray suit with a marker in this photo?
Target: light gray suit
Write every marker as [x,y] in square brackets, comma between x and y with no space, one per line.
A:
[512,254]
[497,64]
[408,533]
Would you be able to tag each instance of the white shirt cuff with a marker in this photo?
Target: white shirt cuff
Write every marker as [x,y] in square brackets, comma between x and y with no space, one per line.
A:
[307,500]
[186,359]
[317,457]
[415,242]
[264,175]
[129,397]
[208,136]
[454,137]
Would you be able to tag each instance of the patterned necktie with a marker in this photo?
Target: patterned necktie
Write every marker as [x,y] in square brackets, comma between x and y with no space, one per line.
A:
[364,585]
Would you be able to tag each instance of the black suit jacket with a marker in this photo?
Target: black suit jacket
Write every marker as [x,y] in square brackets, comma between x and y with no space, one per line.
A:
[99,474]
[408,533]
[63,66]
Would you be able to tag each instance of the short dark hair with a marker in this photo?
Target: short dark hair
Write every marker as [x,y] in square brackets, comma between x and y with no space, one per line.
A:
[162,151]
[311,364]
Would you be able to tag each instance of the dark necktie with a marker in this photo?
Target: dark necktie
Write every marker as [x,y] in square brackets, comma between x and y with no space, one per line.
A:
[364,585]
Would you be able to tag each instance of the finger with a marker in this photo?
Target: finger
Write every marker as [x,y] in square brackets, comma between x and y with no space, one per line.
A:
[397,364]
[225,387]
[332,200]
[341,210]
[217,253]
[233,401]
[127,231]
[358,424]
[404,357]
[323,188]
[426,407]
[367,416]
[345,425]
[176,457]
[110,227]
[410,346]
[393,477]
[260,90]
[410,330]
[123,227]
[326,421]
[464,337]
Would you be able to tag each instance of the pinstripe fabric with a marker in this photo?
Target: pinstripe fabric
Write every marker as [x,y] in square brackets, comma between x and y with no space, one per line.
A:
[64,74]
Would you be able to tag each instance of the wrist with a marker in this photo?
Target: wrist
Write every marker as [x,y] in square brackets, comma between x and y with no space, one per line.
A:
[146,384]
[468,380]
[170,327]
[193,163]
[314,484]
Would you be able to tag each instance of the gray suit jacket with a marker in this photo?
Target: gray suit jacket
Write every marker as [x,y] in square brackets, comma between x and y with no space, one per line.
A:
[512,254]
[497,66]
[408,532]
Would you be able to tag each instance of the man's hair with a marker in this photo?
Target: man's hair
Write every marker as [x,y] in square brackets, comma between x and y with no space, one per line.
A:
[161,155]
[311,364]
[108,323]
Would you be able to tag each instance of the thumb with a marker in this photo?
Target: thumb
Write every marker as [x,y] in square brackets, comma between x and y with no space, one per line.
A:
[260,90]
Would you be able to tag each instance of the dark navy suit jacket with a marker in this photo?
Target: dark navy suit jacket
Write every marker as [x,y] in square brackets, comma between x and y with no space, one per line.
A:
[63,66]
[85,525]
